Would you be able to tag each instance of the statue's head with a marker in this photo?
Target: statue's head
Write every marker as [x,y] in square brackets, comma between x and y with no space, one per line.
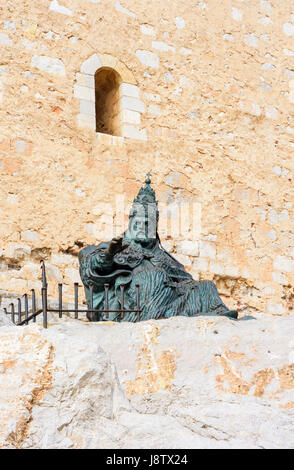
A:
[143,216]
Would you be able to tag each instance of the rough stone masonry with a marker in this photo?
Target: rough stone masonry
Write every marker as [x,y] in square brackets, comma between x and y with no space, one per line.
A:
[206,102]
[179,383]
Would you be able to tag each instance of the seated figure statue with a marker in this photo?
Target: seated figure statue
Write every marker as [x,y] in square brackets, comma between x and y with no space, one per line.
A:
[137,258]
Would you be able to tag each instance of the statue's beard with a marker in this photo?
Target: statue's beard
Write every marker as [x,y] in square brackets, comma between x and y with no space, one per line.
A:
[145,242]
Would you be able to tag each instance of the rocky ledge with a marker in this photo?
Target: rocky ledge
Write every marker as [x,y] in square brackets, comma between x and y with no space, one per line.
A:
[202,382]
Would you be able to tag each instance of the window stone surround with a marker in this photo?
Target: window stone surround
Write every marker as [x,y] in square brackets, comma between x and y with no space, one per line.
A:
[131,107]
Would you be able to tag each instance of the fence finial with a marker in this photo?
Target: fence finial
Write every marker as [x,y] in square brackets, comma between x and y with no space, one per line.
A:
[44,280]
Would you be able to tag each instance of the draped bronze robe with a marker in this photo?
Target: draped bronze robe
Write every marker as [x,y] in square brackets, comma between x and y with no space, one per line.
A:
[166,289]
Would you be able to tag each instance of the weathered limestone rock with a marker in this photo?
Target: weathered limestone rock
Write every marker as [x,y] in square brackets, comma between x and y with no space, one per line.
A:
[203,382]
[4,319]
[47,386]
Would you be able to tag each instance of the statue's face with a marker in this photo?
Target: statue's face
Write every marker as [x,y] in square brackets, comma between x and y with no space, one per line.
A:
[142,228]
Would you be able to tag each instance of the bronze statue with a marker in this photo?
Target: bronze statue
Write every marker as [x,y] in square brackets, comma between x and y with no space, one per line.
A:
[137,257]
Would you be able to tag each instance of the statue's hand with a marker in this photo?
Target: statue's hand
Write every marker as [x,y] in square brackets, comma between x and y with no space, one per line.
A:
[115,246]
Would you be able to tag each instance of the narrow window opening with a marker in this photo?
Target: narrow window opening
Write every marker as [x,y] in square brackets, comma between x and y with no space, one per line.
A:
[107,83]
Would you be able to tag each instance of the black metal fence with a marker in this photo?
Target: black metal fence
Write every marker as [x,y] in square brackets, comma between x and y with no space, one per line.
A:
[22,316]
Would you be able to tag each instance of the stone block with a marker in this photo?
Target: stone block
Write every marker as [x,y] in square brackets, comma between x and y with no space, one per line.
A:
[265,86]
[12,199]
[133,132]
[125,74]
[154,110]
[237,14]
[188,247]
[251,40]
[271,112]
[85,80]
[228,37]
[200,264]
[162,46]
[86,121]
[55,6]
[231,271]
[105,139]
[91,65]
[124,10]
[152,97]
[20,146]
[272,234]
[117,140]
[185,51]
[207,250]
[53,273]
[216,268]
[63,259]
[72,275]
[180,22]
[279,278]
[133,104]
[183,259]
[288,29]
[84,93]
[289,74]
[288,52]
[87,108]
[17,286]
[5,40]
[30,236]
[37,285]
[147,29]
[127,89]
[273,217]
[130,117]
[268,66]
[276,309]
[150,59]
[30,271]
[48,64]
[282,263]
[17,251]
[108,60]
[9,25]
[167,245]
[250,108]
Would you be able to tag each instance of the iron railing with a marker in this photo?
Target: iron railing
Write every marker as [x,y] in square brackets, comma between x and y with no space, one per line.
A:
[23,307]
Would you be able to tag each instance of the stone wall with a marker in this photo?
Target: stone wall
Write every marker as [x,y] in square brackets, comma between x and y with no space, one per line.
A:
[210,116]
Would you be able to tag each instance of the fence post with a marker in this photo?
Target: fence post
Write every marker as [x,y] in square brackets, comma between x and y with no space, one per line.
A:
[60,300]
[91,286]
[44,279]
[26,308]
[106,289]
[44,306]
[12,313]
[138,301]
[19,309]
[33,304]
[122,290]
[76,287]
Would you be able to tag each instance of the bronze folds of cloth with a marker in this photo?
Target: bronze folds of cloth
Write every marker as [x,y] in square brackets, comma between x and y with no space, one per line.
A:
[137,258]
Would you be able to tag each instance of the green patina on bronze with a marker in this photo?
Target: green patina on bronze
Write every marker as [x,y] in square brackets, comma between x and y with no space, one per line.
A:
[137,257]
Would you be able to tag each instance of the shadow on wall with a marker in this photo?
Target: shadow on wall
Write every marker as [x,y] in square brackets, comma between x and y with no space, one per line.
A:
[107,83]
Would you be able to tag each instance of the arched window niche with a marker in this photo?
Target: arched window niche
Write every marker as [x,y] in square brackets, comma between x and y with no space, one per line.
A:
[107,83]
[109,100]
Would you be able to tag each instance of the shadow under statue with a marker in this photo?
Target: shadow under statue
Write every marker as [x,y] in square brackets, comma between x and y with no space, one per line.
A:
[137,257]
